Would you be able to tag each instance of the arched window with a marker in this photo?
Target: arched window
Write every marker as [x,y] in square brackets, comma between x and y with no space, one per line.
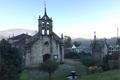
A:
[42,22]
[48,32]
[47,22]
[43,32]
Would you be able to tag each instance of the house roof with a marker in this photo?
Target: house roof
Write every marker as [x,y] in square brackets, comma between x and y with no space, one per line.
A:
[19,37]
[19,40]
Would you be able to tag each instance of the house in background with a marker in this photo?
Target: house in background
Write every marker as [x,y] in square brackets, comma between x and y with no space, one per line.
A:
[112,48]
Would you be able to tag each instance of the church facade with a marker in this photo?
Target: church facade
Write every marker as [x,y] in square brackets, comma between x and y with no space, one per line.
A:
[44,45]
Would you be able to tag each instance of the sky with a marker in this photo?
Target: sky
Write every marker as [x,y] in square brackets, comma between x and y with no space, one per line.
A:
[75,18]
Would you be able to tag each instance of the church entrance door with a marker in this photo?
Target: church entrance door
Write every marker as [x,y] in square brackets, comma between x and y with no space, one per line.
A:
[46,57]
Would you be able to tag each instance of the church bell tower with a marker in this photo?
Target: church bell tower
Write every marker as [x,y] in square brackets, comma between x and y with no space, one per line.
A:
[45,31]
[45,25]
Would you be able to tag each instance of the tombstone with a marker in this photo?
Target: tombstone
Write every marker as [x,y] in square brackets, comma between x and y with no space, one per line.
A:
[72,76]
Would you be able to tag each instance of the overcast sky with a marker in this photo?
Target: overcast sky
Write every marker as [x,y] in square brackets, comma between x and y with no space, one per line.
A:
[75,18]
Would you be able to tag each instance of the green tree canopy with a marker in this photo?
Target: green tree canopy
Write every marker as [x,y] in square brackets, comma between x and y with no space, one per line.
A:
[10,61]
[67,42]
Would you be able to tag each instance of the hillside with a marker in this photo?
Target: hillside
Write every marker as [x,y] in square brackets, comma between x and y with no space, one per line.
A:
[109,75]
[14,32]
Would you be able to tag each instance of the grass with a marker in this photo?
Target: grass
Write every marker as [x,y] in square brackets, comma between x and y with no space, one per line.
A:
[80,68]
[26,76]
[61,73]
[109,75]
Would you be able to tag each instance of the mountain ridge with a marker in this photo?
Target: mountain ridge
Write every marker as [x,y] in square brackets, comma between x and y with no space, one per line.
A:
[14,32]
[17,31]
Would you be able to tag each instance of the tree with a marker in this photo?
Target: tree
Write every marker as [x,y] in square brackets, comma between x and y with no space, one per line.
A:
[49,66]
[87,61]
[67,42]
[77,43]
[10,62]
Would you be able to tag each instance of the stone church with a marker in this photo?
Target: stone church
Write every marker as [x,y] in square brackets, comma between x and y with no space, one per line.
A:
[44,45]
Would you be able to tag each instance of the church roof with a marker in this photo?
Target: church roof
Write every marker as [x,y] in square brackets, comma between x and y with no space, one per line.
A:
[45,17]
[56,37]
[37,36]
